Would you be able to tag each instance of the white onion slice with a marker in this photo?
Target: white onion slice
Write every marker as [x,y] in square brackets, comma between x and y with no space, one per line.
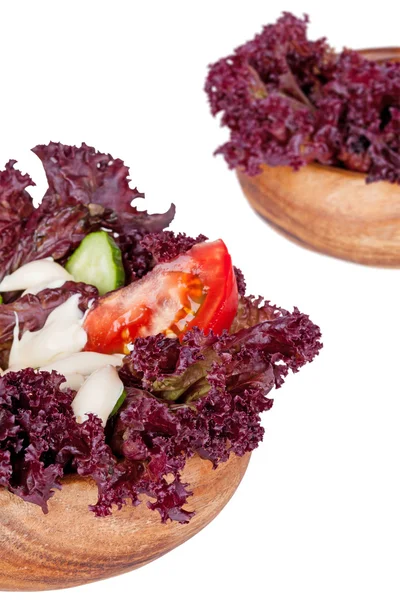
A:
[35,274]
[98,395]
[61,335]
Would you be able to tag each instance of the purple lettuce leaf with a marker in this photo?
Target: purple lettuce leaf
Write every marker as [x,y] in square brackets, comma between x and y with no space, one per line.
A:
[267,349]
[287,100]
[38,434]
[167,245]
[84,176]
[53,232]
[15,209]
[205,395]
[87,190]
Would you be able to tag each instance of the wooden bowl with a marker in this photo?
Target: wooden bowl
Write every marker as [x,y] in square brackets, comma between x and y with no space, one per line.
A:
[332,210]
[381,54]
[70,546]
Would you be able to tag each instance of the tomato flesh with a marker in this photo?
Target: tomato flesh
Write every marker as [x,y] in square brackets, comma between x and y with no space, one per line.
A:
[197,288]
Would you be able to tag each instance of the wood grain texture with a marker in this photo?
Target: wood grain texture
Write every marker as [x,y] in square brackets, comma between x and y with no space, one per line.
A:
[332,210]
[381,54]
[70,546]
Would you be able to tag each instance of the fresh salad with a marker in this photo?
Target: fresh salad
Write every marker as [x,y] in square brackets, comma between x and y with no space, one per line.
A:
[125,349]
[288,100]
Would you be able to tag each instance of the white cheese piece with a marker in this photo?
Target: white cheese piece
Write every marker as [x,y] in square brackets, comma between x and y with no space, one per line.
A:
[84,363]
[74,381]
[98,395]
[80,365]
[61,335]
[34,274]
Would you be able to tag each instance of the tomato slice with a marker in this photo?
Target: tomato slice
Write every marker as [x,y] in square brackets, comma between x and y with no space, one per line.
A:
[197,288]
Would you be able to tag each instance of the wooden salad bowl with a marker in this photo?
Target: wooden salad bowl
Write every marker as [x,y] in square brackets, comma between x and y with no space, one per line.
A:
[332,210]
[70,546]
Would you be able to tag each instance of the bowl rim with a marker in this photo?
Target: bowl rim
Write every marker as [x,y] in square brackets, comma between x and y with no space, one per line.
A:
[320,167]
[391,51]
[87,482]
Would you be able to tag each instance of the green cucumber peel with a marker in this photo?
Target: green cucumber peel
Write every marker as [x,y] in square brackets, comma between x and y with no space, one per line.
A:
[98,261]
[118,404]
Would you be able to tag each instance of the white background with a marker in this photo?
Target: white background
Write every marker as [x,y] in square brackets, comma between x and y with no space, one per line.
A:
[318,513]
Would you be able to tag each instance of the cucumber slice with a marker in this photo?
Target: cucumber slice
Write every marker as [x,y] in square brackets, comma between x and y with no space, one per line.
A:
[98,261]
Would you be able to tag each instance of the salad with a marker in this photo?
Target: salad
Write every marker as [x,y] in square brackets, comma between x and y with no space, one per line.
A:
[288,100]
[125,348]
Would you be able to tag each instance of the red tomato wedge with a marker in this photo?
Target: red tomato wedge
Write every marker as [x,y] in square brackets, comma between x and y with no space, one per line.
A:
[196,289]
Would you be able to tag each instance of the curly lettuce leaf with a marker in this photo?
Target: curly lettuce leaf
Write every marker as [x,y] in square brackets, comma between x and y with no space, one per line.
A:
[15,209]
[84,176]
[287,100]
[204,395]
[88,190]
[259,353]
[39,435]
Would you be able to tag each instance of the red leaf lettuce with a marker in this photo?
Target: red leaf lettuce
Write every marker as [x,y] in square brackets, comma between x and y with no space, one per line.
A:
[288,101]
[203,395]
